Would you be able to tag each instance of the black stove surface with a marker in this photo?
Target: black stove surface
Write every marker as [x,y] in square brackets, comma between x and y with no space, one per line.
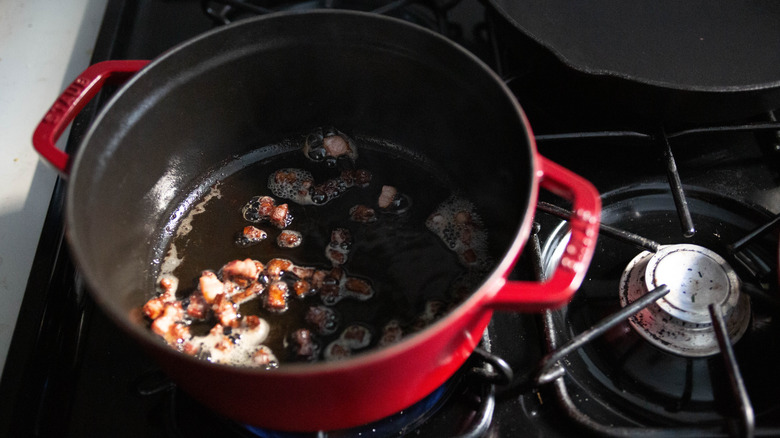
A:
[72,372]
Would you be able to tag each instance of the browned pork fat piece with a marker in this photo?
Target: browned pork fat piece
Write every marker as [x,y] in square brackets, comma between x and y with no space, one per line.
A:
[210,286]
[337,351]
[337,256]
[318,278]
[276,297]
[358,286]
[356,336]
[303,272]
[330,290]
[264,209]
[169,324]
[225,311]
[362,213]
[362,177]
[280,216]
[302,288]
[387,197]
[391,333]
[289,239]
[154,307]
[197,307]
[252,291]
[325,319]
[266,206]
[263,356]
[341,237]
[171,313]
[303,345]
[275,268]
[252,321]
[336,146]
[251,235]
[168,286]
[241,272]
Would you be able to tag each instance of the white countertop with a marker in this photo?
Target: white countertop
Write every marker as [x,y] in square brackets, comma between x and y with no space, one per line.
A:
[44,45]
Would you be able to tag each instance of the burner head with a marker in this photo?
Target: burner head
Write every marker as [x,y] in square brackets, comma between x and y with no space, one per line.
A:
[680,322]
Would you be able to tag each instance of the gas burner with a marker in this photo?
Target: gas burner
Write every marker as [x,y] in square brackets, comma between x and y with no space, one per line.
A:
[659,368]
[680,323]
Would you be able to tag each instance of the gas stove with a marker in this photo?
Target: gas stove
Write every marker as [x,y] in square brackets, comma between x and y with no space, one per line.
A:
[645,347]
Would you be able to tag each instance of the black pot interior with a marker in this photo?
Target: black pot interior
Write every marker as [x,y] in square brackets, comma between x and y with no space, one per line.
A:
[264,80]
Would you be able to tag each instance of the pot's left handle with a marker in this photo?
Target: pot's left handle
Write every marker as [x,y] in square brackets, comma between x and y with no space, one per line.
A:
[584,222]
[72,101]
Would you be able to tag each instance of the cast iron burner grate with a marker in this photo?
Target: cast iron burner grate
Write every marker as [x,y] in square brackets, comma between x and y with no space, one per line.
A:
[427,13]
[600,348]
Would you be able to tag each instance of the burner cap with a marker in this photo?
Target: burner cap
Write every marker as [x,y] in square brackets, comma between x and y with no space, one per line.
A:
[680,322]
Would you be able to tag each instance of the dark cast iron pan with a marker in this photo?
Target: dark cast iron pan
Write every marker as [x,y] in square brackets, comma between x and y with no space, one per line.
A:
[686,60]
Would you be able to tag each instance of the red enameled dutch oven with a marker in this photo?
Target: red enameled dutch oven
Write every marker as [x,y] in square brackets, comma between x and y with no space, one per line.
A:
[259,81]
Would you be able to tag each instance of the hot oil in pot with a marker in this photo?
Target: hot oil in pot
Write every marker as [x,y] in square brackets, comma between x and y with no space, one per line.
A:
[377,234]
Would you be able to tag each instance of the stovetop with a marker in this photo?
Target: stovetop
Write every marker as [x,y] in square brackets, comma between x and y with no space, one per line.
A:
[71,372]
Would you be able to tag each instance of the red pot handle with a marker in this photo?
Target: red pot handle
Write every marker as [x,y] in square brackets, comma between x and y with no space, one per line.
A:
[568,275]
[72,101]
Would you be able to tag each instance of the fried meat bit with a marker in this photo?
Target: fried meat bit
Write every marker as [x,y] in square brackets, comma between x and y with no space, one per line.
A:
[197,307]
[340,238]
[241,272]
[225,311]
[264,209]
[154,307]
[265,205]
[252,321]
[358,286]
[362,177]
[391,333]
[330,289]
[303,272]
[337,351]
[289,239]
[356,336]
[276,298]
[251,235]
[169,285]
[457,224]
[171,313]
[303,345]
[210,286]
[256,209]
[337,256]
[252,291]
[387,197]
[302,288]
[337,250]
[275,268]
[336,146]
[263,356]
[169,324]
[325,319]
[281,216]
[362,213]
[318,278]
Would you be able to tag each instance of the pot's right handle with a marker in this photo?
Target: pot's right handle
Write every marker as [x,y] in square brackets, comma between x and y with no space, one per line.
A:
[72,101]
[559,289]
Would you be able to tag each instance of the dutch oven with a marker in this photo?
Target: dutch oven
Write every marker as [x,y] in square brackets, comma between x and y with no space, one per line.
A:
[255,82]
